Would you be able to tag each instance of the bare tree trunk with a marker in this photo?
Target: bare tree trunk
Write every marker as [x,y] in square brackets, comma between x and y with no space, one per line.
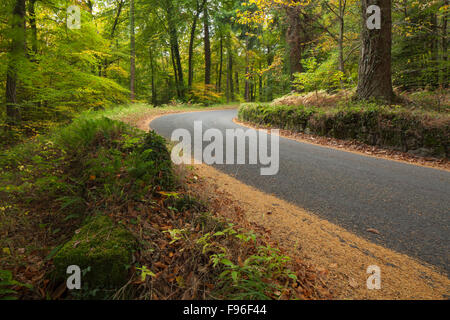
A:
[435,49]
[260,82]
[230,91]
[444,44]
[199,9]
[191,50]
[175,72]
[341,35]
[173,38]
[375,79]
[17,52]
[154,97]
[236,78]
[293,39]
[133,53]
[219,82]
[207,47]
[269,95]
[247,87]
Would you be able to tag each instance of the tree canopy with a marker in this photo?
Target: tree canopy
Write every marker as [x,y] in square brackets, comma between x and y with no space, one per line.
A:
[206,51]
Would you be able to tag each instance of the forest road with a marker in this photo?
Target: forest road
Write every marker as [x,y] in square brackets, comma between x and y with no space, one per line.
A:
[408,205]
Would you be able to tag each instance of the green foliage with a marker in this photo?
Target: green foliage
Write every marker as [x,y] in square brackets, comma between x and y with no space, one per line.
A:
[262,275]
[79,171]
[7,283]
[84,161]
[204,94]
[419,54]
[255,278]
[318,77]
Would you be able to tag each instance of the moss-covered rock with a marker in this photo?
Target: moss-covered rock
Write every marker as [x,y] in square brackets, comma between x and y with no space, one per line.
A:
[100,247]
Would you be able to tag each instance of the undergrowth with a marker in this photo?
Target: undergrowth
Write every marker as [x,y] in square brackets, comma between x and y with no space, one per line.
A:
[51,185]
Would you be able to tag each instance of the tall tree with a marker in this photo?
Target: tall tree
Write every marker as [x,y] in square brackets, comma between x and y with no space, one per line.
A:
[32,14]
[247,70]
[120,5]
[175,49]
[375,75]
[339,12]
[219,76]
[293,38]
[230,89]
[207,45]
[16,54]
[198,9]
[444,45]
[133,53]
[152,70]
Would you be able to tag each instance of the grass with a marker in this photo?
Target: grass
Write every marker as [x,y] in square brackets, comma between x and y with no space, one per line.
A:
[137,110]
[13,135]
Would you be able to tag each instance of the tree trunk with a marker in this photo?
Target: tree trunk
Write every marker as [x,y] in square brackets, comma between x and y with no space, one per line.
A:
[219,81]
[175,72]
[247,84]
[269,94]
[17,53]
[341,36]
[199,9]
[173,38]
[154,98]
[293,39]
[113,30]
[191,50]
[207,47]
[230,91]
[375,80]
[444,45]
[133,53]
[435,50]
[260,83]
[32,13]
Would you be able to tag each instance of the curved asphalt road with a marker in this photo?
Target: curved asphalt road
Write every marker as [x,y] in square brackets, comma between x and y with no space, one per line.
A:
[409,205]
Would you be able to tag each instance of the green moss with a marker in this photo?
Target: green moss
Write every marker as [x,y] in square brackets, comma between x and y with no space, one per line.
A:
[100,247]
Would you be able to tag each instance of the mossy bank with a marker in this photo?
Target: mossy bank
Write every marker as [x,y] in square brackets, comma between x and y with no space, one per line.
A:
[417,132]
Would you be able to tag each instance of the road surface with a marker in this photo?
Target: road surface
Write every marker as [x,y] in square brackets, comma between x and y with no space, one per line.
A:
[409,205]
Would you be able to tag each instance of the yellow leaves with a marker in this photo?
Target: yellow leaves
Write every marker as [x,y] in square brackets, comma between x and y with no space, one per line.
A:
[6,251]
[201,93]
[444,8]
[262,16]
[117,71]
[145,272]
[169,194]
[180,281]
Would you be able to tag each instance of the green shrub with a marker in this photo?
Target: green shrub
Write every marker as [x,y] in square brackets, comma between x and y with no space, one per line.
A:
[83,162]
[318,77]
